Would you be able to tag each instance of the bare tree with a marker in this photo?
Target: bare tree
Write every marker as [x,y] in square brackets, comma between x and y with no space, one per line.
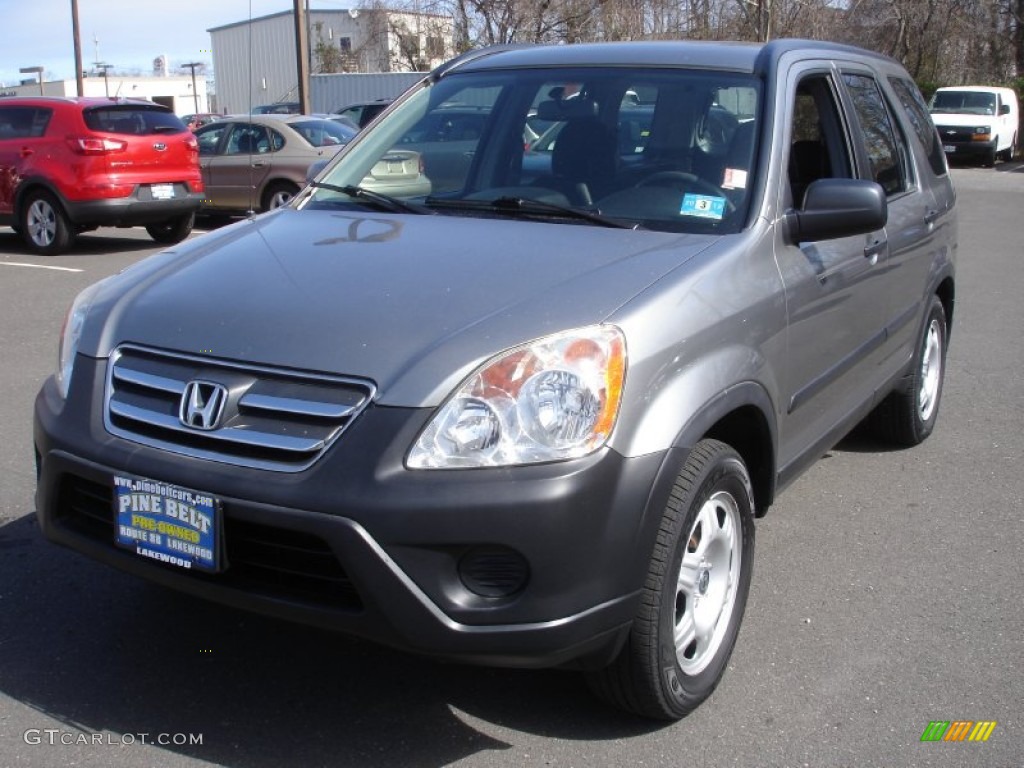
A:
[939,41]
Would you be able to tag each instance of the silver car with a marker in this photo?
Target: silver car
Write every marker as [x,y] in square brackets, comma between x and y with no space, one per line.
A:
[526,415]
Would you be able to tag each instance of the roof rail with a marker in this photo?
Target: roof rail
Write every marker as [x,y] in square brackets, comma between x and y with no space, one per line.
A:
[472,55]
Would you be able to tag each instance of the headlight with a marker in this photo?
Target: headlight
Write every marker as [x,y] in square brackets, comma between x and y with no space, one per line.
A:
[556,398]
[981,133]
[70,335]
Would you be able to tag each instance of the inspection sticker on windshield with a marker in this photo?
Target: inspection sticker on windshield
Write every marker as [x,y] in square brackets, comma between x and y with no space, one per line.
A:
[702,206]
[167,523]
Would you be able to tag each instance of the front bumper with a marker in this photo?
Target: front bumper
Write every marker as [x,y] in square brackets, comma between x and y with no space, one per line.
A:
[359,544]
[968,150]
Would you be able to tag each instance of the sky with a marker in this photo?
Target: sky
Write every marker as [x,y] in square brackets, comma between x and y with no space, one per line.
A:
[130,33]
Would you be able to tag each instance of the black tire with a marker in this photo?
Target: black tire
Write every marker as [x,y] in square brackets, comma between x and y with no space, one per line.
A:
[706,527]
[173,230]
[1007,154]
[43,225]
[278,193]
[907,417]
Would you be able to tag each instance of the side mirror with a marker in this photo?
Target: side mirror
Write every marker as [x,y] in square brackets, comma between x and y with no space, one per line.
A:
[838,208]
[1004,109]
[314,170]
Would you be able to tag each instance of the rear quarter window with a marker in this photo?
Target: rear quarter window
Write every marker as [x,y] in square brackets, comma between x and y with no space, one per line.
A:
[133,121]
[921,121]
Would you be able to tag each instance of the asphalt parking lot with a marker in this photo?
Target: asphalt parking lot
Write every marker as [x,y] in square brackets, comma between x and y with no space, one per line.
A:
[885,596]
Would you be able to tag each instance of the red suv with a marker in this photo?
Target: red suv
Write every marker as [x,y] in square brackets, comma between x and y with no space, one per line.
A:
[68,165]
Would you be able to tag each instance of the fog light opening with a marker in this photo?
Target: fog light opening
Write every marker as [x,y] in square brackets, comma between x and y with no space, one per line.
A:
[493,571]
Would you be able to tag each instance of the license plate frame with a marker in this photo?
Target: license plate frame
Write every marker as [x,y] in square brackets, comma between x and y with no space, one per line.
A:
[168,523]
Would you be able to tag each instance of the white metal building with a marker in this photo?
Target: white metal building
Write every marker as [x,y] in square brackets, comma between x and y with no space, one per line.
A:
[254,60]
[174,91]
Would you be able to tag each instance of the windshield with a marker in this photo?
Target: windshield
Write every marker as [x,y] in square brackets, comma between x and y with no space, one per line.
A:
[323,133]
[661,149]
[964,102]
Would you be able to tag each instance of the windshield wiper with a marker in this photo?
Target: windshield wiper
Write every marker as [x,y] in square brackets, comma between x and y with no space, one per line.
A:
[388,203]
[530,207]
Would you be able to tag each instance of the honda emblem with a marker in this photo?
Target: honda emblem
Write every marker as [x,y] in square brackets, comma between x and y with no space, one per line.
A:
[202,404]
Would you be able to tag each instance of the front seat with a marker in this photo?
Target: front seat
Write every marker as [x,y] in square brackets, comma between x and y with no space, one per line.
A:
[246,144]
[585,160]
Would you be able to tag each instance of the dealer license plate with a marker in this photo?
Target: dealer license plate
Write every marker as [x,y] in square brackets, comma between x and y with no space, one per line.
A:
[167,523]
[162,191]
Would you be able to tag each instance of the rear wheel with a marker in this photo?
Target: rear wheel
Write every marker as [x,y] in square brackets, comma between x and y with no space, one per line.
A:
[277,194]
[908,417]
[173,230]
[43,225]
[695,592]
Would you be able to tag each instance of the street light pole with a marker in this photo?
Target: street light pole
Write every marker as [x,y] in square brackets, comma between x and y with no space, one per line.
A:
[34,71]
[195,94]
[104,67]
[76,33]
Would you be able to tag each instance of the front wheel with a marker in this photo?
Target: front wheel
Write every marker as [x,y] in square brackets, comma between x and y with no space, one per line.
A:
[1007,154]
[173,230]
[695,593]
[278,194]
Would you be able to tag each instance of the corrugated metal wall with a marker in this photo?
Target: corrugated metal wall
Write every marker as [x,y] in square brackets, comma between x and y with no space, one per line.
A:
[257,71]
[331,92]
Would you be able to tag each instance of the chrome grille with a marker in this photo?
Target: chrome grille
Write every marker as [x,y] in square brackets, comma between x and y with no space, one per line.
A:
[272,418]
[955,133]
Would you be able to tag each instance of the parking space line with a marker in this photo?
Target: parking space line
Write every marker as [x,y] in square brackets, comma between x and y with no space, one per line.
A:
[39,266]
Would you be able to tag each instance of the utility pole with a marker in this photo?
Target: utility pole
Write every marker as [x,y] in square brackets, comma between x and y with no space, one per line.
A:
[195,94]
[302,56]
[76,33]
[106,83]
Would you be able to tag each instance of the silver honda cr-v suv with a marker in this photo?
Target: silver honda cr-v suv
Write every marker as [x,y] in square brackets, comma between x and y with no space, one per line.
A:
[528,417]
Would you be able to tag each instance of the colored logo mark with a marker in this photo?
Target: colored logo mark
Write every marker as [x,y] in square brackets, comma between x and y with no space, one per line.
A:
[958,730]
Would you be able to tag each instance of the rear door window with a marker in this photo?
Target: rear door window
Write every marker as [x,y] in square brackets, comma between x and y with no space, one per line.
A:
[885,152]
[23,122]
[914,104]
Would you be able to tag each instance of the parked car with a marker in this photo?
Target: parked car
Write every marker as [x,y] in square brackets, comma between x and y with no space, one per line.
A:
[278,108]
[362,113]
[976,121]
[259,162]
[524,422]
[68,165]
[198,120]
[633,127]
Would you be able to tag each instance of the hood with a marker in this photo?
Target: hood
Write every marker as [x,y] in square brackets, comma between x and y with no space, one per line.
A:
[961,119]
[413,303]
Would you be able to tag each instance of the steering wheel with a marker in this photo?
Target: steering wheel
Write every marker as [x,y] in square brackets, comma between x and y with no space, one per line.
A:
[686,181]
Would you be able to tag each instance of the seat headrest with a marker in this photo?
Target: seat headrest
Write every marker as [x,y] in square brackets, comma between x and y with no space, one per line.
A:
[567,109]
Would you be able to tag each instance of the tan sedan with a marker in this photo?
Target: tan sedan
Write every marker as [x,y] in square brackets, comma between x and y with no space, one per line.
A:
[259,162]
